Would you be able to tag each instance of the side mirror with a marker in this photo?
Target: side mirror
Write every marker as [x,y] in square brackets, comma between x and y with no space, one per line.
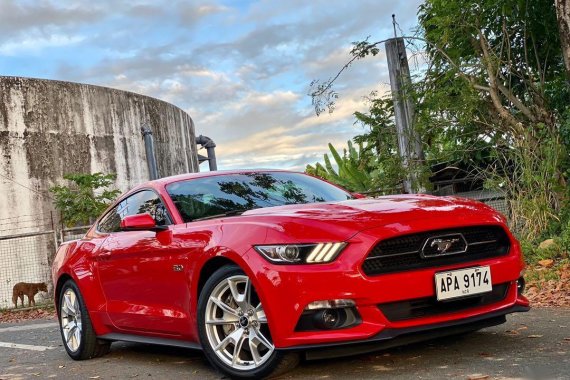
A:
[140,222]
[359,196]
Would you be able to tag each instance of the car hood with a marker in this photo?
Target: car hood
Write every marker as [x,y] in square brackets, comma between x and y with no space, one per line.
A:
[341,220]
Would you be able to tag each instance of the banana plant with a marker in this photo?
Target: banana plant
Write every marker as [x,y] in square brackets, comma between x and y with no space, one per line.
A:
[355,168]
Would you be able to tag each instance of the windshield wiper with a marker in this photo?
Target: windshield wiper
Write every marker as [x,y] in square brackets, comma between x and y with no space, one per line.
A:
[227,213]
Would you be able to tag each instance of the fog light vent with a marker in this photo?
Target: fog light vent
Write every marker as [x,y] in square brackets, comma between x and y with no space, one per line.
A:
[328,319]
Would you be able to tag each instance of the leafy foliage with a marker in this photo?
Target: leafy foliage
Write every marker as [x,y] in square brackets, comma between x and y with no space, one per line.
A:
[381,136]
[356,168]
[81,203]
[493,96]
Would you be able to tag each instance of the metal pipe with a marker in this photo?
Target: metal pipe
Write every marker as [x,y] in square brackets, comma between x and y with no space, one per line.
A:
[149,148]
[210,146]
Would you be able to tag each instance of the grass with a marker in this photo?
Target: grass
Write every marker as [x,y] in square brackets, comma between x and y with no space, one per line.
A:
[44,306]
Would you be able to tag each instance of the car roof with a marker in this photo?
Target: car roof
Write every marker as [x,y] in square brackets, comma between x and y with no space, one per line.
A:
[161,182]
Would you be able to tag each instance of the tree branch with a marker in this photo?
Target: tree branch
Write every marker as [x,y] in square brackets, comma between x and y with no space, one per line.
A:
[516,102]
[360,51]
[504,113]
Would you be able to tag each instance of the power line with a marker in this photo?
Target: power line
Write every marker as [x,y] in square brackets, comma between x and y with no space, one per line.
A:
[43,194]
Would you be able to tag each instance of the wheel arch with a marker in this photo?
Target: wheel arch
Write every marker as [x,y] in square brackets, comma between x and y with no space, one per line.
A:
[60,281]
[210,267]
[214,262]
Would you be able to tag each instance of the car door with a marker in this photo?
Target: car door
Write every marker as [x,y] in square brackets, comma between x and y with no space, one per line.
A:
[141,272]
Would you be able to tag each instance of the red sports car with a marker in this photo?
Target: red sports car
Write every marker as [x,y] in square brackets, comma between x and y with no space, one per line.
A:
[258,267]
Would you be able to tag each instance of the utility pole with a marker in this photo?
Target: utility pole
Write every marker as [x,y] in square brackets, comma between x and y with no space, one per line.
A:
[408,141]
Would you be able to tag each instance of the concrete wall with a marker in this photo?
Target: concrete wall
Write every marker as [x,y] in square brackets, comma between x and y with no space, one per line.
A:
[50,128]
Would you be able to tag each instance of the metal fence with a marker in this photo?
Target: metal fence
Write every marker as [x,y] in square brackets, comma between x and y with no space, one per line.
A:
[74,233]
[494,199]
[27,246]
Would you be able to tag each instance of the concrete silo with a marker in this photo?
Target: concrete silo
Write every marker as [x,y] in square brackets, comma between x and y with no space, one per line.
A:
[51,128]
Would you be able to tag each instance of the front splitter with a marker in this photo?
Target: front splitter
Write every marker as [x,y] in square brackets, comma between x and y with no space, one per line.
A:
[389,338]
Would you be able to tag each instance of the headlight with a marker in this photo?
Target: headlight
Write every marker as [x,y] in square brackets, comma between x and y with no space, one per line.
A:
[301,253]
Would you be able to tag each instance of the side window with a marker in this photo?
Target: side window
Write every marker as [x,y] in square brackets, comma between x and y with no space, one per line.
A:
[145,201]
[110,222]
[138,203]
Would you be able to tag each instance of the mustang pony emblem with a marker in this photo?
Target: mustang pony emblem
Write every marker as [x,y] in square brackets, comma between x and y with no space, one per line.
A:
[443,245]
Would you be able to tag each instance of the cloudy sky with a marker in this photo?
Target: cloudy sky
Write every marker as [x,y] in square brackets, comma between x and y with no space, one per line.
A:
[240,68]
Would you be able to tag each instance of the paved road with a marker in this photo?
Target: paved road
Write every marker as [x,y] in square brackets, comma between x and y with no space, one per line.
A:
[533,345]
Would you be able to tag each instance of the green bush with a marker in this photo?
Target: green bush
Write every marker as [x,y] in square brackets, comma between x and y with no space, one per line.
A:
[85,199]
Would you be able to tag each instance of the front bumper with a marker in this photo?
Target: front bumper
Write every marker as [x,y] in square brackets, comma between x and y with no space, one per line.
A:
[286,290]
[389,338]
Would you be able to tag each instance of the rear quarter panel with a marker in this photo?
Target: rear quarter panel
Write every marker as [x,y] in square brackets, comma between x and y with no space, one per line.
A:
[75,260]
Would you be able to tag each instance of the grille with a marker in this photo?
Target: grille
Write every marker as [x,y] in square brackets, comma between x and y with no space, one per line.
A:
[423,307]
[404,253]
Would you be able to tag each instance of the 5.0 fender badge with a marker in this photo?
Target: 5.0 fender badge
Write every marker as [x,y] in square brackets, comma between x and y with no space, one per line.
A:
[177,268]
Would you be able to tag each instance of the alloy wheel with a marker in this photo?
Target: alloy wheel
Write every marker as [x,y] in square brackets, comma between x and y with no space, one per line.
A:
[70,315]
[236,325]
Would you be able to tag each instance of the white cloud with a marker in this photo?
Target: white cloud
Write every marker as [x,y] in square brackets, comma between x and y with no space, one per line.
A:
[288,142]
[270,99]
[211,8]
[34,45]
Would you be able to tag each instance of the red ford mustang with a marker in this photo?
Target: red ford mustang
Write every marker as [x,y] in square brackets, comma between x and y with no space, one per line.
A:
[258,267]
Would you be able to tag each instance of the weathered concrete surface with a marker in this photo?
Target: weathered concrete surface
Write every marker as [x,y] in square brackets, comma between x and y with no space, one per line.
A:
[51,128]
[533,345]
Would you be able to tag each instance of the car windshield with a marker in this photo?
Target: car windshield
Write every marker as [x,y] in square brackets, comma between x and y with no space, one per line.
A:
[232,194]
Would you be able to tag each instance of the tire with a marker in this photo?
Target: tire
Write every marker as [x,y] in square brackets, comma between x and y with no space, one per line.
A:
[75,326]
[230,316]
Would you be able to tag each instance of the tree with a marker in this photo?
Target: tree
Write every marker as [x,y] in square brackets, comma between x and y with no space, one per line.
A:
[81,202]
[563,15]
[496,78]
[495,91]
[381,140]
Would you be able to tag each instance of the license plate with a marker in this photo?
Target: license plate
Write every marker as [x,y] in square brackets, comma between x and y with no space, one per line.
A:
[462,282]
